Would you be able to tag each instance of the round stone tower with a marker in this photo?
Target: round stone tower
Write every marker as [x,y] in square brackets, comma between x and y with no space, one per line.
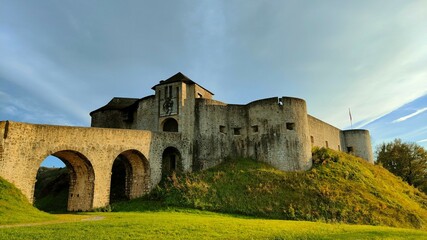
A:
[358,142]
[296,124]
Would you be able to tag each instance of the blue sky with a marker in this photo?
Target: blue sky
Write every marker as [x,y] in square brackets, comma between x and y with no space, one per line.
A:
[59,60]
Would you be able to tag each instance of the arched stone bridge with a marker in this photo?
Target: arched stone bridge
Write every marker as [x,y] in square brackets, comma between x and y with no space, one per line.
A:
[89,154]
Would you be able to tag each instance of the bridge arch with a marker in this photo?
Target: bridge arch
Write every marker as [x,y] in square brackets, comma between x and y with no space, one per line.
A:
[130,175]
[171,161]
[82,178]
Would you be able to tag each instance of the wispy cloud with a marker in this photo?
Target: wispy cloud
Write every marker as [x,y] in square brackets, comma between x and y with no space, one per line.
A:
[422,141]
[410,115]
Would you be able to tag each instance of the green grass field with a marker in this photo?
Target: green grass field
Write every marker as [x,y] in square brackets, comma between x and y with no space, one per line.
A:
[193,224]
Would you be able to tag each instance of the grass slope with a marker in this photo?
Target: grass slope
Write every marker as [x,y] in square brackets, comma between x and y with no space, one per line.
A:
[192,224]
[51,190]
[15,208]
[339,188]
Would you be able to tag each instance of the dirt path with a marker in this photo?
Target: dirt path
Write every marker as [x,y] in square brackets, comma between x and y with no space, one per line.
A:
[91,218]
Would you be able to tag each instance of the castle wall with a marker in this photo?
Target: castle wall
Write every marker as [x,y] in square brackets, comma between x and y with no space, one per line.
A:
[111,119]
[325,135]
[265,130]
[146,115]
[358,142]
[282,138]
[211,145]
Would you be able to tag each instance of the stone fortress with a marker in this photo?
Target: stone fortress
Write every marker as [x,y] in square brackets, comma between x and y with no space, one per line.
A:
[274,130]
[179,128]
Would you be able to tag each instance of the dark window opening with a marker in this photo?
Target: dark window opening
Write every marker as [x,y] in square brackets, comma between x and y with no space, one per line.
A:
[350,149]
[170,125]
[237,131]
[170,91]
[339,148]
[171,161]
[326,144]
[222,129]
[199,95]
[290,126]
[312,140]
[255,128]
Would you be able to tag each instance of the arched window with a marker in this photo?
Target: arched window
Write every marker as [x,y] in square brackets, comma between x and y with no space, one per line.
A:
[170,125]
[171,161]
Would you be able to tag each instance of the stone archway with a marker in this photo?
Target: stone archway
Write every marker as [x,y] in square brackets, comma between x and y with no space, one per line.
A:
[171,161]
[130,176]
[170,125]
[82,177]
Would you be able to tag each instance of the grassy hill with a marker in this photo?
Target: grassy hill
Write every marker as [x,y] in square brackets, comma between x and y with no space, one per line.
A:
[339,188]
[51,190]
[15,208]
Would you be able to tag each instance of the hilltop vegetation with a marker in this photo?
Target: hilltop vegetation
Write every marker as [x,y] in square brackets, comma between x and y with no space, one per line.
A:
[15,208]
[339,188]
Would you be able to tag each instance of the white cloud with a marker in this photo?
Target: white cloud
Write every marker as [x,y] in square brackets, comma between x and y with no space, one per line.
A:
[410,115]
[422,141]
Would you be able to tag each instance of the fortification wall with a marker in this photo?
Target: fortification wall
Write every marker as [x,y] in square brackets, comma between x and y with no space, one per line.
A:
[358,142]
[111,119]
[325,135]
[146,115]
[212,134]
[268,130]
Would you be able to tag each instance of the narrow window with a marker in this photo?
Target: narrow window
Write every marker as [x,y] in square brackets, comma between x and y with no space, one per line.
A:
[339,148]
[326,144]
[350,149]
[312,140]
[236,131]
[222,129]
[290,126]
[255,128]
[170,91]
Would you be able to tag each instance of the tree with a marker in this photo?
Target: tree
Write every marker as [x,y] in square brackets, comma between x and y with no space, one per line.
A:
[406,160]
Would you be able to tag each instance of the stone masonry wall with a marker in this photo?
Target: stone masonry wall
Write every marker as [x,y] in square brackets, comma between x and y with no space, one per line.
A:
[360,141]
[259,129]
[325,135]
[84,149]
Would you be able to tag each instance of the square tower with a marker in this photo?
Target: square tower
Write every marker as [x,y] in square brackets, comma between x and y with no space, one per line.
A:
[175,99]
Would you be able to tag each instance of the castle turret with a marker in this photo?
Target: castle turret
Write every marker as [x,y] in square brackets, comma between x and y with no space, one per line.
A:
[358,142]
